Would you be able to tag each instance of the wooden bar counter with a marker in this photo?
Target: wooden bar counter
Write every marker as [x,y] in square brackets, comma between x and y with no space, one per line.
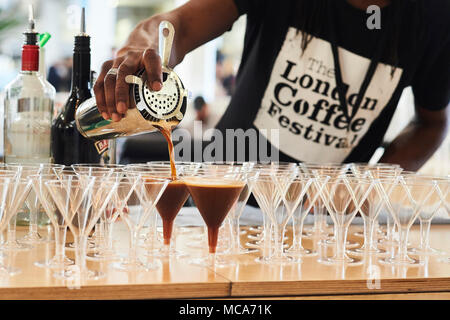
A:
[175,278]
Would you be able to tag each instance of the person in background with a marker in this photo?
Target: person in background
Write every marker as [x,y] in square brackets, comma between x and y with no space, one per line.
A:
[60,75]
[226,79]
[202,110]
[320,73]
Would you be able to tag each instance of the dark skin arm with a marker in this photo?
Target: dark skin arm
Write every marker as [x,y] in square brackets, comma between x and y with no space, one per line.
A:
[195,23]
[419,140]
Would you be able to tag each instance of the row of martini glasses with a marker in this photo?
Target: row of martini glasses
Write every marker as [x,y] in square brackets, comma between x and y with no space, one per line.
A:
[84,197]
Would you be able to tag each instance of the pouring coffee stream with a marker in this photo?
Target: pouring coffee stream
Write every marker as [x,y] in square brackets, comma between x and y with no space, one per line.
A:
[149,110]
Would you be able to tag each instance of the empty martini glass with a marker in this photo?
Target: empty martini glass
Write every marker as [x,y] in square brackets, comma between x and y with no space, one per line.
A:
[17,191]
[427,211]
[403,199]
[301,203]
[140,202]
[214,196]
[342,196]
[444,193]
[31,208]
[369,210]
[325,169]
[376,171]
[98,171]
[81,201]
[329,239]
[236,212]
[4,185]
[268,192]
[59,223]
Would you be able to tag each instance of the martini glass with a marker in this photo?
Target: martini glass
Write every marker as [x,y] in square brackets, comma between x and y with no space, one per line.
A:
[249,174]
[404,199]
[4,185]
[378,170]
[172,200]
[97,171]
[81,201]
[11,243]
[427,211]
[327,238]
[32,203]
[146,193]
[59,260]
[237,210]
[118,203]
[17,191]
[324,169]
[214,197]
[301,203]
[342,196]
[268,192]
[169,205]
[369,210]
[444,193]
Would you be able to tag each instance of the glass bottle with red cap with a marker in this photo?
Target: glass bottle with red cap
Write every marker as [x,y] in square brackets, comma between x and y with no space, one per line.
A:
[28,108]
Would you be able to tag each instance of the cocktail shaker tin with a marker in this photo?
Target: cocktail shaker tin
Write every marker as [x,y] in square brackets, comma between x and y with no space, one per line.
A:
[149,110]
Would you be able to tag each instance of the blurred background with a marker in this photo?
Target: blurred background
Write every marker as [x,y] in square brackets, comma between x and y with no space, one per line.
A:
[208,72]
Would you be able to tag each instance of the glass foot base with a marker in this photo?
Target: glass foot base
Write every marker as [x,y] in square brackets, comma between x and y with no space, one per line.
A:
[135,266]
[15,246]
[276,260]
[362,251]
[426,251]
[345,261]
[32,238]
[408,261]
[53,263]
[9,271]
[102,256]
[348,245]
[71,246]
[301,252]
[218,262]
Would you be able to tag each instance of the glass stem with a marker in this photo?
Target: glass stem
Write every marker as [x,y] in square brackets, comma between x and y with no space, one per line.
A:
[109,235]
[278,233]
[340,238]
[403,245]
[425,234]
[369,236]
[11,233]
[132,255]
[236,234]
[60,240]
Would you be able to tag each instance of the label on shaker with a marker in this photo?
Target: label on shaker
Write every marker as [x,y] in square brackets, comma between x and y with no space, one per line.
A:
[101,146]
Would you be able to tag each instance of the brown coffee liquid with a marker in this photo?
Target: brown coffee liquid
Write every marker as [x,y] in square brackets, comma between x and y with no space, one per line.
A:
[214,202]
[170,203]
[166,131]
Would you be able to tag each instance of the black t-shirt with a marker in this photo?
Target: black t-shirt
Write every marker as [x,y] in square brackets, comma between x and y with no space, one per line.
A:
[280,87]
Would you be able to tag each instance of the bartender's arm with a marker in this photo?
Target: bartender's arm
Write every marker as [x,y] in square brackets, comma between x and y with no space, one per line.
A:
[419,140]
[195,23]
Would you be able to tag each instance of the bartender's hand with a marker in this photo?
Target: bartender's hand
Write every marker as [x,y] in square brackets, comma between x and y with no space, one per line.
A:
[195,23]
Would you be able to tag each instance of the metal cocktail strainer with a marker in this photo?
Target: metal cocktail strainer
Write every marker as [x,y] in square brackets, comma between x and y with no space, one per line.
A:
[149,110]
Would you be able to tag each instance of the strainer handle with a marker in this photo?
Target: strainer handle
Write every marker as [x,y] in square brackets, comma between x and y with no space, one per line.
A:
[166,34]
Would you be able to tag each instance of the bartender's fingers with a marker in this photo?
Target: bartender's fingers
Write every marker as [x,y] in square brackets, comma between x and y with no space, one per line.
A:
[110,91]
[152,64]
[99,89]
[129,66]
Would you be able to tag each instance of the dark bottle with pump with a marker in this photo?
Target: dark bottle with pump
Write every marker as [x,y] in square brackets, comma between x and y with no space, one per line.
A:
[68,145]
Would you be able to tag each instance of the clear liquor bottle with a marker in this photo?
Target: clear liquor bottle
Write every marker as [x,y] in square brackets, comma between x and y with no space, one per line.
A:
[28,109]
